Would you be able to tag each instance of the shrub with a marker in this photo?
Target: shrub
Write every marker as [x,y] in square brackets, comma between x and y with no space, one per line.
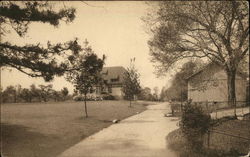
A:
[88,98]
[78,98]
[194,125]
[108,97]
[175,107]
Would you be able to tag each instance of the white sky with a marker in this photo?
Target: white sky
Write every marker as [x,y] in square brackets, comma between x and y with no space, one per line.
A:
[113,28]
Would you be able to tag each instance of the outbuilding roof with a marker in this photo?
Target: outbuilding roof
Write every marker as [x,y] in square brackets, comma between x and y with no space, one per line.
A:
[244,76]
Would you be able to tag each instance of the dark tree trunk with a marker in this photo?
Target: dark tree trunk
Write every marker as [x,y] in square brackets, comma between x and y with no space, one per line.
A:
[85,105]
[130,101]
[45,99]
[231,89]
[15,97]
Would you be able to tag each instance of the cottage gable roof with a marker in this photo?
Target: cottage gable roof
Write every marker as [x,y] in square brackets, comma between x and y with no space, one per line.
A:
[200,70]
[216,69]
[113,75]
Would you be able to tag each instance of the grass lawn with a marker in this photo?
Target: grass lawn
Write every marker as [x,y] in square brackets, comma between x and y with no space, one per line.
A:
[220,145]
[47,129]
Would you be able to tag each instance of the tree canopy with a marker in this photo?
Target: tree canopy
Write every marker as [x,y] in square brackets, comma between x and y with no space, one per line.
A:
[215,30]
[131,84]
[178,88]
[34,59]
[86,72]
[145,94]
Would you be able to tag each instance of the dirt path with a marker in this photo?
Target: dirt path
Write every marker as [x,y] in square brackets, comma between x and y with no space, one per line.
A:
[142,135]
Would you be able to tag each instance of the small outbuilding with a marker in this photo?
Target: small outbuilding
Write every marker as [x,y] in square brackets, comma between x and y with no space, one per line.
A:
[209,85]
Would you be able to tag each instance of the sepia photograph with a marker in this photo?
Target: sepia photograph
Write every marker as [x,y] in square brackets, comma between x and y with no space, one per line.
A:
[124,78]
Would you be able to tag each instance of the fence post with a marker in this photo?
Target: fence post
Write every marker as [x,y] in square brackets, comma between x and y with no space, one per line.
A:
[207,107]
[208,138]
[215,111]
[181,107]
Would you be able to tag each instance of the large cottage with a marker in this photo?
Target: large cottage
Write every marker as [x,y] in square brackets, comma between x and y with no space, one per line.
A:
[210,85]
[113,81]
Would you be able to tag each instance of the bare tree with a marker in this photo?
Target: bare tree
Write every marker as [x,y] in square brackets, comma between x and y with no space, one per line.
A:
[216,30]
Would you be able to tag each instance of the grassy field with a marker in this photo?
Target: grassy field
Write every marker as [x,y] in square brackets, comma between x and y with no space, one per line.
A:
[47,129]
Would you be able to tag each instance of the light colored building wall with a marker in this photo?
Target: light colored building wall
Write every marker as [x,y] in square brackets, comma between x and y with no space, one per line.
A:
[216,88]
[241,92]
[117,92]
[211,93]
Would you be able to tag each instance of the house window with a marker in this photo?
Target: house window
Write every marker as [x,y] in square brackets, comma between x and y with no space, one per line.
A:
[98,90]
[104,89]
[115,80]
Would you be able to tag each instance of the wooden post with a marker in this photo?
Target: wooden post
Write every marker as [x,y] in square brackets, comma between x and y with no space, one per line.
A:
[215,111]
[208,112]
[216,108]
[208,138]
[85,105]
[181,98]
[1,87]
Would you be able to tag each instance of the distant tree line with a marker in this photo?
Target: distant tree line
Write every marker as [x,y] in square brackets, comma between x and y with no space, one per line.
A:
[147,94]
[178,89]
[42,93]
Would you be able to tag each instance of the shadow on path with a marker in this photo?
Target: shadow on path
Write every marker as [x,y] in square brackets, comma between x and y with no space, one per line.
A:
[19,141]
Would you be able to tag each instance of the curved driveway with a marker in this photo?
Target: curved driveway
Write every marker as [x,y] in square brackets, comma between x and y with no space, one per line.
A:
[142,135]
